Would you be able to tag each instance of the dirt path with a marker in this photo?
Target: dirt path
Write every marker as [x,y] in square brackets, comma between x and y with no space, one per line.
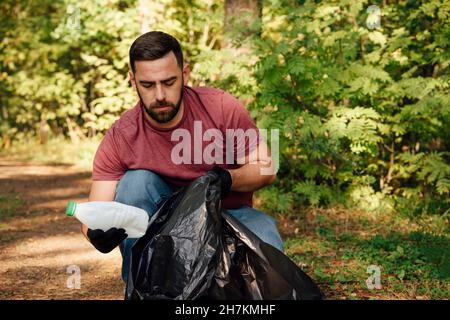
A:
[38,242]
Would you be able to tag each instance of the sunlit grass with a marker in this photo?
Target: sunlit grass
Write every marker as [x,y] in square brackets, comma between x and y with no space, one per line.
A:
[336,246]
[56,151]
[9,205]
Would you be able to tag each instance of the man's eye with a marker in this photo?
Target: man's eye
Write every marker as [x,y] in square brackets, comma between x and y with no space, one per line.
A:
[147,85]
[169,83]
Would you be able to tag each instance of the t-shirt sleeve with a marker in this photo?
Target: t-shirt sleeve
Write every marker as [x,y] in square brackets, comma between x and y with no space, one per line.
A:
[108,165]
[244,132]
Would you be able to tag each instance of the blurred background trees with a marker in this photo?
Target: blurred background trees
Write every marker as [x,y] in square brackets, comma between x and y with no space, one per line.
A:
[359,93]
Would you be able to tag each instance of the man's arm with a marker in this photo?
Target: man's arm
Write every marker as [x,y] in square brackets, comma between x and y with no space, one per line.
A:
[253,176]
[100,191]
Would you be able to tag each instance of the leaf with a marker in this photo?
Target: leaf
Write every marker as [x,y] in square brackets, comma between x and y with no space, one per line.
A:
[378,38]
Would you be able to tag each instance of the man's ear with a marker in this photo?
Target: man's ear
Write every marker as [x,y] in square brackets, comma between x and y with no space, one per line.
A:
[186,72]
[132,79]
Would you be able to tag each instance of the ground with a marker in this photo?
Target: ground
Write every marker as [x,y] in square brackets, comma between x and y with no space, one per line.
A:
[38,243]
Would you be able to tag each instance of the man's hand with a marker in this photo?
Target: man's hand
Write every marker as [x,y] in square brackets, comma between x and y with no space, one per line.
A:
[106,241]
[225,180]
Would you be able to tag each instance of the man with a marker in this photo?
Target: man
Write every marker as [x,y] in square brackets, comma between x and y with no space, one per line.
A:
[137,163]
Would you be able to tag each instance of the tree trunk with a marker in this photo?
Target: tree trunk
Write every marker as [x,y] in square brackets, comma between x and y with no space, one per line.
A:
[44,131]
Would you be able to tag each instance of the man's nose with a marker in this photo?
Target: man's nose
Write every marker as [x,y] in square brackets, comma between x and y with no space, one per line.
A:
[160,93]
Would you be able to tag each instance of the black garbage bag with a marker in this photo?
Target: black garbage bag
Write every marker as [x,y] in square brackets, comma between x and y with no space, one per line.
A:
[194,250]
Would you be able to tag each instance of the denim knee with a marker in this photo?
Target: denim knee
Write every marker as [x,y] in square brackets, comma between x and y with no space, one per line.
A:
[261,224]
[143,189]
[267,230]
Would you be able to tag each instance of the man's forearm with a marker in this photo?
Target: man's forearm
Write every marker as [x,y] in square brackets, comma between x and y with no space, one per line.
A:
[251,177]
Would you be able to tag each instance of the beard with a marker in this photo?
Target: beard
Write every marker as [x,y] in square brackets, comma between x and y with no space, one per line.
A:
[162,116]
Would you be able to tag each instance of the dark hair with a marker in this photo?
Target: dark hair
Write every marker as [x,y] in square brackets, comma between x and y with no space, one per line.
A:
[154,45]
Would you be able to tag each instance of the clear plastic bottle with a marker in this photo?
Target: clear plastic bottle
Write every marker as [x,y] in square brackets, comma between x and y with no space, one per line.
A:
[109,214]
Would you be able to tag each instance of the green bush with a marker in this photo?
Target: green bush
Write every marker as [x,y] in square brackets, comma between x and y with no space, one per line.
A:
[364,112]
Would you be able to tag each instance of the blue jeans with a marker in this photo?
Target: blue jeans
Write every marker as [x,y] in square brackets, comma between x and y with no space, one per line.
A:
[146,190]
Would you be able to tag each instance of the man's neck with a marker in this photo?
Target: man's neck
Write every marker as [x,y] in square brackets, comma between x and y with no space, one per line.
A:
[171,123]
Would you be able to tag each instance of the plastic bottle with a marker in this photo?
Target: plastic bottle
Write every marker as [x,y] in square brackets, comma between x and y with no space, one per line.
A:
[109,214]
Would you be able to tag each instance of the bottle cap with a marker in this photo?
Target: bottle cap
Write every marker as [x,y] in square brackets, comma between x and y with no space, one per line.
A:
[71,206]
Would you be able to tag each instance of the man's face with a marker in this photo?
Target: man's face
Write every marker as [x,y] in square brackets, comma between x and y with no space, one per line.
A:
[159,84]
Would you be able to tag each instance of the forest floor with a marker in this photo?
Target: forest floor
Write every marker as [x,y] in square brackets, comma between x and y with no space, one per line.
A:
[39,245]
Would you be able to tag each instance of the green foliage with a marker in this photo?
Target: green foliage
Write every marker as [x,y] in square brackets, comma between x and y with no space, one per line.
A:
[64,72]
[409,257]
[65,63]
[276,201]
[364,112]
[9,204]
[412,262]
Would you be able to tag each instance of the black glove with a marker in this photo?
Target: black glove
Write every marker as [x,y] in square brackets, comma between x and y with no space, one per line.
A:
[225,180]
[106,241]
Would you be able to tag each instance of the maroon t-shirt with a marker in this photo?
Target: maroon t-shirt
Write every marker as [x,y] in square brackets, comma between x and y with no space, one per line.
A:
[133,142]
